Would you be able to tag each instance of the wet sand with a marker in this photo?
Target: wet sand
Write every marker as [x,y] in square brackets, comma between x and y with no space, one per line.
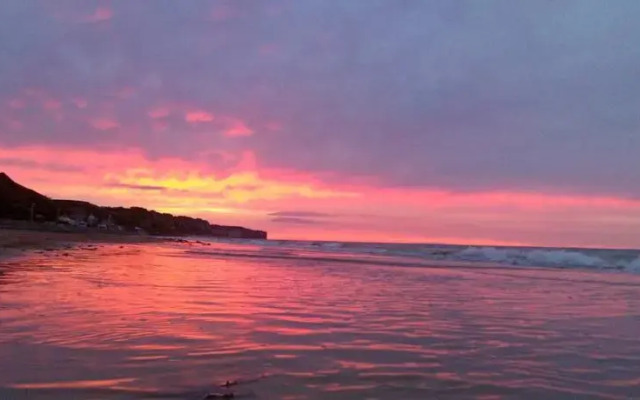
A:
[159,320]
[14,242]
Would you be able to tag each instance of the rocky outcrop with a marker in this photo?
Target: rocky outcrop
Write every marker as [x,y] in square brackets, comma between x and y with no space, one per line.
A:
[20,203]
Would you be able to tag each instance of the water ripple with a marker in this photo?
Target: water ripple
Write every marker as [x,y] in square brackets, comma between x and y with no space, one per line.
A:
[158,322]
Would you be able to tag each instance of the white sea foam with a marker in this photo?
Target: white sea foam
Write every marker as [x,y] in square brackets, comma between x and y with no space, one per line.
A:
[331,245]
[600,259]
[634,266]
[627,260]
[538,257]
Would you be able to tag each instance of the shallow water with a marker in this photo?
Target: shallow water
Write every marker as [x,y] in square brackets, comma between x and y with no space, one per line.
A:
[172,321]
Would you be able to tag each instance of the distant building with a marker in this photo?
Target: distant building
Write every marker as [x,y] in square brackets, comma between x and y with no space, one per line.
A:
[78,214]
[66,220]
[92,220]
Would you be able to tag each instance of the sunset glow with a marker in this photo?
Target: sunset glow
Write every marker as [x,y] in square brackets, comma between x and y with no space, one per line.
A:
[296,134]
[242,193]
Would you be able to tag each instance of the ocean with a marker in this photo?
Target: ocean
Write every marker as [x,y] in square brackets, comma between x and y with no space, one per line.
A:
[319,320]
[444,254]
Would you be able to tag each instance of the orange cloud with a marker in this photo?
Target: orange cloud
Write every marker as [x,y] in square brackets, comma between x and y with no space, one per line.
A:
[246,194]
[111,177]
[198,117]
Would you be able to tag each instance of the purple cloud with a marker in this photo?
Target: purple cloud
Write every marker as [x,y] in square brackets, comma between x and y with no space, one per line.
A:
[300,214]
[13,162]
[295,221]
[534,96]
[137,187]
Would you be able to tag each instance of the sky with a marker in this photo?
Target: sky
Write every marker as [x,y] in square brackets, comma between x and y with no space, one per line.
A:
[484,122]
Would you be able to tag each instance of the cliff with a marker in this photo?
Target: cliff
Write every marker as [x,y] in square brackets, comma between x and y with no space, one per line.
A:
[20,203]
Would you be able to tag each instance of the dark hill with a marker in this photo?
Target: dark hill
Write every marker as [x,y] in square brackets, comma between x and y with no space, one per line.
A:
[16,202]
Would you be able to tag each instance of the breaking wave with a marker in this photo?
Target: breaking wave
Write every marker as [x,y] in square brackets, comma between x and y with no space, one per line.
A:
[410,254]
[543,258]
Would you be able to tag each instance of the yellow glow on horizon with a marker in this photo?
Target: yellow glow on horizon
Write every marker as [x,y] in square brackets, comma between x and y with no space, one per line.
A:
[248,195]
[239,187]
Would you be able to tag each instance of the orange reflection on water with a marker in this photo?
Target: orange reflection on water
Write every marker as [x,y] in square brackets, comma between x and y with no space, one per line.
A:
[74,384]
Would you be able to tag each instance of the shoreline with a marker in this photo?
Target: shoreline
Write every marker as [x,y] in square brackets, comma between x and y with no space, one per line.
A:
[17,242]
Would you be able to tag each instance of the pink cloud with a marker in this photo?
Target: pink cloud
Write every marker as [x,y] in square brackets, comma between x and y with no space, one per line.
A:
[33,92]
[52,105]
[101,14]
[237,129]
[268,49]
[274,126]
[198,117]
[246,192]
[104,124]
[125,92]
[158,113]
[16,104]
[160,125]
[80,102]
[110,176]
[222,12]
[16,124]
[248,161]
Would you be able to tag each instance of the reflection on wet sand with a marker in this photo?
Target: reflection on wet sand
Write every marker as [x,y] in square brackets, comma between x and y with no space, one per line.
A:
[153,321]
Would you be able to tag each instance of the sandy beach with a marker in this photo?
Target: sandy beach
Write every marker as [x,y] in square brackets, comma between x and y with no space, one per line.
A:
[174,321]
[14,242]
